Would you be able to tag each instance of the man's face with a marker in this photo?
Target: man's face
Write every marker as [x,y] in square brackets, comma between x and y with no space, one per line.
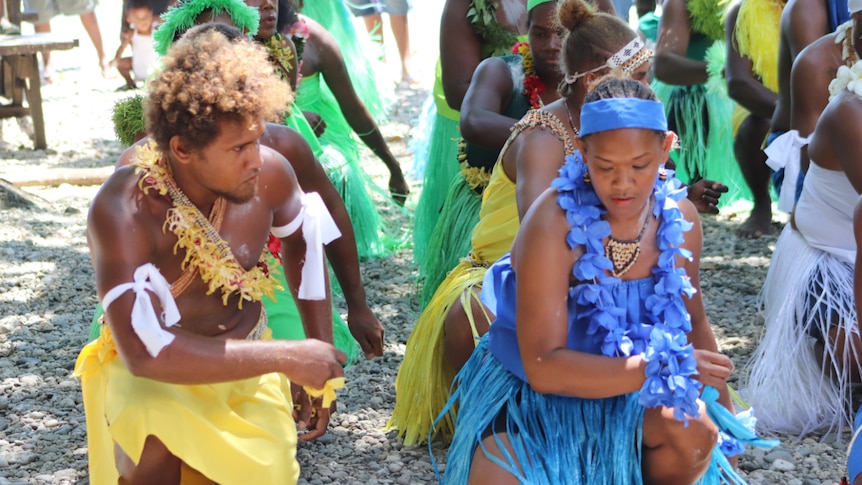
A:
[544,39]
[230,165]
[268,17]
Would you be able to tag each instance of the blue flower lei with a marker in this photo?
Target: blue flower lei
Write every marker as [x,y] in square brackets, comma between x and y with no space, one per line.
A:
[662,340]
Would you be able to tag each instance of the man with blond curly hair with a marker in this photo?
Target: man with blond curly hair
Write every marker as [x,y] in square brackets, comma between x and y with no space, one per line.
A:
[183,383]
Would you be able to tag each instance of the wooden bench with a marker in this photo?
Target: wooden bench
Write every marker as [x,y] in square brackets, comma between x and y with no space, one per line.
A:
[20,79]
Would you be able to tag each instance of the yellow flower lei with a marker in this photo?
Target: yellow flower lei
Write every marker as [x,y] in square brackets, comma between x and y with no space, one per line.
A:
[281,55]
[206,251]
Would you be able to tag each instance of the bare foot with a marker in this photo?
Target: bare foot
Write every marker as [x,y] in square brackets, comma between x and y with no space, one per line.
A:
[758,224]
[107,71]
[398,189]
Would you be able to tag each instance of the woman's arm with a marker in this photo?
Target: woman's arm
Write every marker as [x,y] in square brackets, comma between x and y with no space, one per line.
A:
[670,64]
[543,263]
[713,368]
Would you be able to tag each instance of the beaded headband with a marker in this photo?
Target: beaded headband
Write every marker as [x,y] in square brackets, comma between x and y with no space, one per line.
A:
[627,59]
[617,113]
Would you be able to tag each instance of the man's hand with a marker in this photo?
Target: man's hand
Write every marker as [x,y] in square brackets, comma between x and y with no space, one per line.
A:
[367,330]
[713,369]
[314,362]
[316,122]
[309,414]
[704,194]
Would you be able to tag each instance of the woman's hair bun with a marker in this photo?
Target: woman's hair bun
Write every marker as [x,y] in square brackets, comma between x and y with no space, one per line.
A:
[573,13]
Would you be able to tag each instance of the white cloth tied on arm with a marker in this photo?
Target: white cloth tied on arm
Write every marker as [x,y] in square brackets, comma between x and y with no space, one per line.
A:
[318,229]
[145,322]
[784,152]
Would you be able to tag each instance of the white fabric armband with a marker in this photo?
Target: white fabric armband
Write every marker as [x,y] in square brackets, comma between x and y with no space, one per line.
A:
[784,152]
[145,322]
[318,229]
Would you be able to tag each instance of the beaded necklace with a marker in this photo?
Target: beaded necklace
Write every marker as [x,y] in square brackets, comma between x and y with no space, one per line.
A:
[207,252]
[661,339]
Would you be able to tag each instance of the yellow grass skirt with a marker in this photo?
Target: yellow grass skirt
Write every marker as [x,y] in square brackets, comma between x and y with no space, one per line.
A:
[236,432]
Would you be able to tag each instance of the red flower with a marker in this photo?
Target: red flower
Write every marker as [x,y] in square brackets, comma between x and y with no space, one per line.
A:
[274,246]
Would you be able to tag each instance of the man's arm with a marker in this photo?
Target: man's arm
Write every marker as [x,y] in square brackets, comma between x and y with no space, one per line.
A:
[670,64]
[120,241]
[460,51]
[808,104]
[841,135]
[802,23]
[742,86]
[490,91]
[364,325]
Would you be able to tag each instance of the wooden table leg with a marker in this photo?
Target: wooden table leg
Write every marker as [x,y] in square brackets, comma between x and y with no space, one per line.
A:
[34,99]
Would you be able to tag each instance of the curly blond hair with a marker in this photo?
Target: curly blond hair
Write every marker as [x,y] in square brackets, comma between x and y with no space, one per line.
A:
[208,78]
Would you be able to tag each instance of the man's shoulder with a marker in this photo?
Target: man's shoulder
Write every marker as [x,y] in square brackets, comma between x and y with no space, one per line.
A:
[817,55]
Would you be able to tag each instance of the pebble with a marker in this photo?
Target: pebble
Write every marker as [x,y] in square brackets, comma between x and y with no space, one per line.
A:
[47,298]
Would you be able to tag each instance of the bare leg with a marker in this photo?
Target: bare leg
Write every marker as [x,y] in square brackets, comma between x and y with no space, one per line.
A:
[458,342]
[673,453]
[157,465]
[483,470]
[752,162]
[48,71]
[124,66]
[401,32]
[837,341]
[91,25]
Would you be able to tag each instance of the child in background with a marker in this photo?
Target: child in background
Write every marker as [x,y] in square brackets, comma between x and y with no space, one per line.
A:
[139,15]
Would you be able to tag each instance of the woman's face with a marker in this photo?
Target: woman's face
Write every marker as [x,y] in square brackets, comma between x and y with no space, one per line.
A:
[623,165]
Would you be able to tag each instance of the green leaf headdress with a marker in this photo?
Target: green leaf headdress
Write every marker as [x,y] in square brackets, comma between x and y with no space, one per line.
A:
[182,17]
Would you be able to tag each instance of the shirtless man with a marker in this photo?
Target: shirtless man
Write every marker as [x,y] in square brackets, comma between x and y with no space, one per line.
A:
[151,382]
[748,89]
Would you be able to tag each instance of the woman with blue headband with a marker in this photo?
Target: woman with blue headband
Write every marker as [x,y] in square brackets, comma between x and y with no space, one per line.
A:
[593,370]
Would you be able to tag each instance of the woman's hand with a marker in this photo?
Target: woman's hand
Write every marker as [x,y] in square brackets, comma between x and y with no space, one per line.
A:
[713,369]
[316,122]
[704,194]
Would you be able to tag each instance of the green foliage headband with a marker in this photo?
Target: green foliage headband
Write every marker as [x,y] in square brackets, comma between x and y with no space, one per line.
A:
[182,17]
[531,4]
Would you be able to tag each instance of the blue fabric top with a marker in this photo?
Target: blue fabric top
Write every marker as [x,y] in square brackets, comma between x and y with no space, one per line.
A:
[838,14]
[498,293]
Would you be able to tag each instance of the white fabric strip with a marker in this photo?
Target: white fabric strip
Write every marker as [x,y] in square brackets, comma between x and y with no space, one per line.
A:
[318,229]
[287,229]
[784,152]
[145,322]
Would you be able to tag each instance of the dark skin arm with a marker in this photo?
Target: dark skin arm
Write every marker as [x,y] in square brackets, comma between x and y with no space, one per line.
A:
[742,86]
[808,103]
[836,141]
[460,51]
[670,64]
[533,162]
[857,272]
[364,325]
[322,55]
[490,92]
[116,218]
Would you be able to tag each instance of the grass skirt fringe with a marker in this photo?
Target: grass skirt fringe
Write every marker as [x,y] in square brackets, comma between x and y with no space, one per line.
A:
[556,439]
[420,138]
[441,166]
[806,292]
[425,376]
[361,55]
[341,163]
[451,240]
[703,121]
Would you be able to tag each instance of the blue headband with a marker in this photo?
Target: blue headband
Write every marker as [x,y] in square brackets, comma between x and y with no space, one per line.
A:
[616,113]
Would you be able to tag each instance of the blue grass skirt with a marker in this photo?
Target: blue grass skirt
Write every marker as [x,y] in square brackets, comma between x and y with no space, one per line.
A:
[556,439]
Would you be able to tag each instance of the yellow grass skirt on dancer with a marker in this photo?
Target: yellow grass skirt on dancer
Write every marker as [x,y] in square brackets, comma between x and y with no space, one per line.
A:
[422,385]
[235,432]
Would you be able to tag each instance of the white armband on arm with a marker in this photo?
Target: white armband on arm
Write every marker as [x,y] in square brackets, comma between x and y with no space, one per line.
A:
[145,322]
[784,152]
[318,229]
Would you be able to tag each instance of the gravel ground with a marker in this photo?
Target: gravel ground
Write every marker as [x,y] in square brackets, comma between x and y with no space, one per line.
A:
[47,299]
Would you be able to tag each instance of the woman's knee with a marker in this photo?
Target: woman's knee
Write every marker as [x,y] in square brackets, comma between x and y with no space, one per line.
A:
[459,340]
[677,452]
[483,470]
